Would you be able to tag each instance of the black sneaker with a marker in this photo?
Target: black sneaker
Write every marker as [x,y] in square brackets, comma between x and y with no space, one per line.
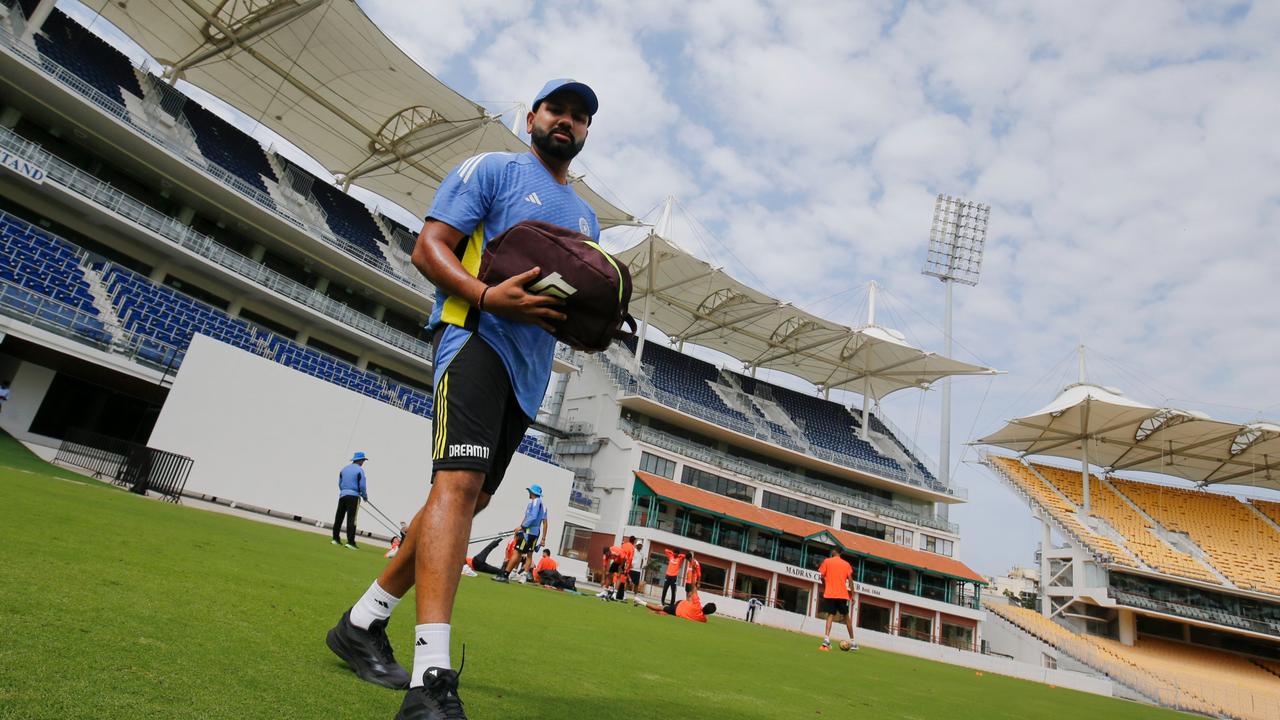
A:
[437,699]
[499,577]
[368,652]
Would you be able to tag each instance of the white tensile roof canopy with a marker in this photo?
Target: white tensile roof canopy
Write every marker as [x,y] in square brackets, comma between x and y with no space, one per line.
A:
[1103,427]
[320,74]
[690,300]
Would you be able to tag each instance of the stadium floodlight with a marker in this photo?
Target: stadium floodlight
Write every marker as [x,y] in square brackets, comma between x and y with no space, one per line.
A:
[956,244]
[957,240]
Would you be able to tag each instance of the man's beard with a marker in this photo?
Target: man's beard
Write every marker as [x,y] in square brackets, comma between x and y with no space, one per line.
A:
[555,148]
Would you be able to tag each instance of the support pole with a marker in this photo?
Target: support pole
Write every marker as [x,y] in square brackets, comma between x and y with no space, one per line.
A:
[36,21]
[664,226]
[1044,566]
[944,453]
[1084,440]
[1084,457]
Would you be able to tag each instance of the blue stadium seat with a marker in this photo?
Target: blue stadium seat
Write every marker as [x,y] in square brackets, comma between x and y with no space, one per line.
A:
[225,144]
[88,56]
[348,218]
[43,266]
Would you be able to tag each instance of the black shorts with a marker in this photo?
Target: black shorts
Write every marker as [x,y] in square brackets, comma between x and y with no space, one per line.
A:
[635,577]
[526,543]
[478,421]
[615,567]
[833,606]
[669,609]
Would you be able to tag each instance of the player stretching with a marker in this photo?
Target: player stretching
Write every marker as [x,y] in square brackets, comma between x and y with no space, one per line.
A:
[836,573]
[691,608]
[493,353]
[673,573]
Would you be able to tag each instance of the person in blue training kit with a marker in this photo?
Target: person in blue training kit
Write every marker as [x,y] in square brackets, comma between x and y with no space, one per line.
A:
[351,490]
[529,534]
[493,353]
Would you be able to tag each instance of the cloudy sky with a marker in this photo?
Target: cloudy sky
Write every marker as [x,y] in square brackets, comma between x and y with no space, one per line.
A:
[1128,151]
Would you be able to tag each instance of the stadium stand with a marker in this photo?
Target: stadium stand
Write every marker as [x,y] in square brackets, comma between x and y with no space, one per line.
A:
[72,46]
[42,276]
[1062,509]
[686,382]
[1270,509]
[1139,534]
[223,151]
[1238,543]
[47,266]
[1194,679]
[223,143]
[826,424]
[346,217]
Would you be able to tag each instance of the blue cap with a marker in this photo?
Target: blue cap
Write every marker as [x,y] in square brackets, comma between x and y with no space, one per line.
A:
[535,489]
[358,456]
[587,94]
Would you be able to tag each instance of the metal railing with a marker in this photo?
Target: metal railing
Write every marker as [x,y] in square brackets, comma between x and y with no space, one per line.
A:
[1221,617]
[131,465]
[109,106]
[170,228]
[628,384]
[773,476]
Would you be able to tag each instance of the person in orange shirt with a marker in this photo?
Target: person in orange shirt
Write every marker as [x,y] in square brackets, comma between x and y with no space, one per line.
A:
[612,557]
[836,574]
[673,572]
[547,571]
[692,575]
[628,556]
[690,608]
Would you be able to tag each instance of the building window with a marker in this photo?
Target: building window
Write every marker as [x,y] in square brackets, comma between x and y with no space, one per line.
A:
[716,484]
[574,541]
[937,545]
[917,628]
[798,508]
[871,528]
[657,465]
[959,637]
[713,579]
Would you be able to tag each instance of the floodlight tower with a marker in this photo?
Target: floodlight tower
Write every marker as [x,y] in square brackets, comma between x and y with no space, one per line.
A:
[956,243]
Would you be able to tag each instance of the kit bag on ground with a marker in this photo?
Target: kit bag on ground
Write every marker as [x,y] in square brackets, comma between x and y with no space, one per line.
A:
[595,287]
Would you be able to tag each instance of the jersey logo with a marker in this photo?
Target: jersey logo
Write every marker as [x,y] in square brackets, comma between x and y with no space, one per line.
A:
[584,226]
[553,285]
[533,198]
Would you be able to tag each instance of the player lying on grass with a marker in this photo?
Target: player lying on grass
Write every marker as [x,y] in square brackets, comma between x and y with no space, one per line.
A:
[480,562]
[690,608]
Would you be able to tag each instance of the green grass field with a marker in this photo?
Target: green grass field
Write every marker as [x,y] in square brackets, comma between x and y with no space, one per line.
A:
[116,606]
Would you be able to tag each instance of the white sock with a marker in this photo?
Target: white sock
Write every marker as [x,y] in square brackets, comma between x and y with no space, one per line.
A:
[430,649]
[375,604]
[826,640]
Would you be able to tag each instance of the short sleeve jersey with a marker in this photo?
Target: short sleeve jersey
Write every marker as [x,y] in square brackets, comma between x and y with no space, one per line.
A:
[534,514]
[691,609]
[481,198]
[628,555]
[835,572]
[673,563]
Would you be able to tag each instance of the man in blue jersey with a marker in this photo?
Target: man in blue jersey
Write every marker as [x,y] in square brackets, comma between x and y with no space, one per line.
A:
[493,355]
[351,489]
[529,534]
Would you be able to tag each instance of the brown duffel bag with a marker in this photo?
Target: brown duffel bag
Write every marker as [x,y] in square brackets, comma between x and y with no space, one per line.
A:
[595,287]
